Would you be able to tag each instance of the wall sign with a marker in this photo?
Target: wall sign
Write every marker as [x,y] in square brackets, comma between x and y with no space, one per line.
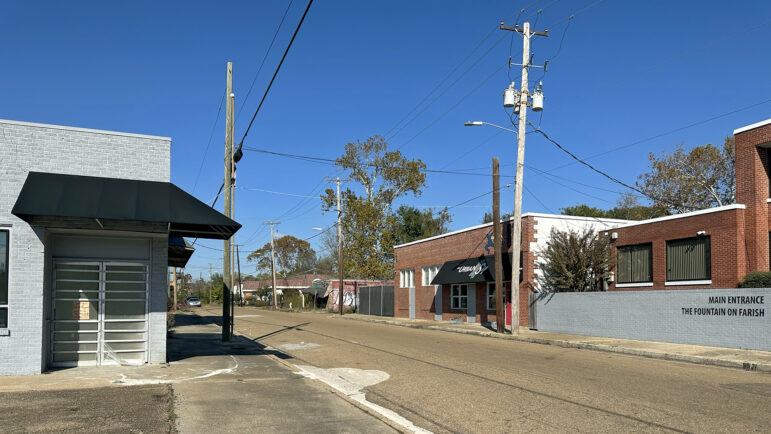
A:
[725,305]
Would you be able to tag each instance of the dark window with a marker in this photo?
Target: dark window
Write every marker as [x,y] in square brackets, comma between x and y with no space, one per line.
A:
[688,259]
[459,297]
[4,239]
[635,263]
[491,294]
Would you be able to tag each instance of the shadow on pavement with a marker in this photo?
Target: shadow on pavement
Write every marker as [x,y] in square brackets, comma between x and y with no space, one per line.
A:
[193,336]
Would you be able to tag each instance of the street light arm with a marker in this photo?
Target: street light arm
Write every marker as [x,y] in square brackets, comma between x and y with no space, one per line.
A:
[480,123]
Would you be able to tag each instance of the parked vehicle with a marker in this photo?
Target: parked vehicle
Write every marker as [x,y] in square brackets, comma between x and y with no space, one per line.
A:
[193,302]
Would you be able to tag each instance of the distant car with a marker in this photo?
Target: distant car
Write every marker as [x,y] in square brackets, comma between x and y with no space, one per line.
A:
[193,301]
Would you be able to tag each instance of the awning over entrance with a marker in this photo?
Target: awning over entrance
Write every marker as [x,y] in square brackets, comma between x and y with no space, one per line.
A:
[180,252]
[87,202]
[479,269]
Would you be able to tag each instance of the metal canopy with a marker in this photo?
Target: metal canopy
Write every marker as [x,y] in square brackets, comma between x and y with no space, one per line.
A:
[87,202]
[469,270]
[180,252]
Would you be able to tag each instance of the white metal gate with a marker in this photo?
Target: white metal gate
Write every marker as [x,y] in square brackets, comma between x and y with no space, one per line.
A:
[100,313]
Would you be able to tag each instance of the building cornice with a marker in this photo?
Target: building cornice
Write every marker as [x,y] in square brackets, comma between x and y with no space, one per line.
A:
[752,126]
[82,130]
[685,215]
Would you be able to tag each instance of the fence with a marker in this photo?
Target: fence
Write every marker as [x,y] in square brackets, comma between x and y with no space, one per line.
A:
[733,318]
[376,300]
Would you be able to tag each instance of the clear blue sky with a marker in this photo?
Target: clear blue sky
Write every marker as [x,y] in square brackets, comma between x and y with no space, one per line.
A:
[626,71]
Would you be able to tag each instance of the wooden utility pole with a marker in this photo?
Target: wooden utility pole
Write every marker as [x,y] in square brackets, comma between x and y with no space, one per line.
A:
[339,244]
[273,262]
[226,262]
[516,233]
[500,316]
[210,282]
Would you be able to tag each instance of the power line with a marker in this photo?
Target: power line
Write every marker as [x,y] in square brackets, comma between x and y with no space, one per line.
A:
[479,59]
[278,68]
[438,85]
[616,180]
[647,139]
[211,135]
[246,98]
[331,161]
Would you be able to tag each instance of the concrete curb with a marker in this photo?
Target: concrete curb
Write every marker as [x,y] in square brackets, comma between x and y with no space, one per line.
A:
[701,360]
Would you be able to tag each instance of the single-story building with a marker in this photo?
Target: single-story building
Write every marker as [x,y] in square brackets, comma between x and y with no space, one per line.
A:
[450,276]
[323,287]
[89,223]
[710,248]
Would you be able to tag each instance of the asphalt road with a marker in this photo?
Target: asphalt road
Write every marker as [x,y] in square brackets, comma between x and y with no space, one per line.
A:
[447,382]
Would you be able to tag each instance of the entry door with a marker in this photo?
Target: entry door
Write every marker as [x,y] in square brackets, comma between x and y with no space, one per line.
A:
[100,313]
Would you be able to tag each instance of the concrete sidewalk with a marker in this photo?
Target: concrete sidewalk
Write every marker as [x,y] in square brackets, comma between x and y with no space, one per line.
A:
[240,386]
[724,357]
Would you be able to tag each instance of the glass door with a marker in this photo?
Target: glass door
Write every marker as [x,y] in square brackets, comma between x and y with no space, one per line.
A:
[100,313]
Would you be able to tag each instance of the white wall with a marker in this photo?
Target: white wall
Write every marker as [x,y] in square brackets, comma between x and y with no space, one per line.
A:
[544,223]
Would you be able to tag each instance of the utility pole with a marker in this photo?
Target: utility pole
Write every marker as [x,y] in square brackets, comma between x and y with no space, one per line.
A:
[232,216]
[273,262]
[226,261]
[210,282]
[516,233]
[500,316]
[339,244]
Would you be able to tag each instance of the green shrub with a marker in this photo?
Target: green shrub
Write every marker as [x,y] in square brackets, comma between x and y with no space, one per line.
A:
[756,279]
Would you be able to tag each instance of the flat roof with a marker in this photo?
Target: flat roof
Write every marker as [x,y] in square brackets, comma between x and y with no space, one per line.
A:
[83,130]
[527,214]
[685,215]
[752,126]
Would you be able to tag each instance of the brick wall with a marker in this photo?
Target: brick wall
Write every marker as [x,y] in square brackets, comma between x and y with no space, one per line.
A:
[470,243]
[28,147]
[725,229]
[752,189]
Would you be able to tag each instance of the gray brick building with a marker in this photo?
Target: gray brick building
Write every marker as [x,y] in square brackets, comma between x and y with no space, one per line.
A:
[86,219]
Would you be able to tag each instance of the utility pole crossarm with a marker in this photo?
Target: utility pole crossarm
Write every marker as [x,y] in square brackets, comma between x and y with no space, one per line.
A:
[518,29]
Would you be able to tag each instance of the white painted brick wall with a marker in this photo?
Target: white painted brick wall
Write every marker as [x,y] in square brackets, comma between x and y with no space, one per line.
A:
[26,147]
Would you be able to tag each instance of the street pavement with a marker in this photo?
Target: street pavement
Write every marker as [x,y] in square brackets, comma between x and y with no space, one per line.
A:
[448,382]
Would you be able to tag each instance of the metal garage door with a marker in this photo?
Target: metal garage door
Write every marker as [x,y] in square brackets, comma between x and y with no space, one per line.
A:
[100,313]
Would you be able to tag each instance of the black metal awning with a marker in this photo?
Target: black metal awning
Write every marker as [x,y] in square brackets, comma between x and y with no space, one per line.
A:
[87,202]
[469,270]
[180,252]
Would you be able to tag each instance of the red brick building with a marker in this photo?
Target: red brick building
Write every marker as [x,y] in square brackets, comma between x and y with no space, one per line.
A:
[711,248]
[469,252]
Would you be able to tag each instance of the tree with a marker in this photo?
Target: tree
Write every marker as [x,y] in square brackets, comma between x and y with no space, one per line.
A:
[488,217]
[368,217]
[293,255]
[327,263]
[690,180]
[575,261]
[412,224]
[627,208]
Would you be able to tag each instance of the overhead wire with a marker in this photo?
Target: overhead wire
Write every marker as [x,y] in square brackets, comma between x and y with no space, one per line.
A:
[208,143]
[612,178]
[275,73]
[257,74]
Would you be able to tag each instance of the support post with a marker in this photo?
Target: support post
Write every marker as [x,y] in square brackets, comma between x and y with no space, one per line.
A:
[226,261]
[340,288]
[500,316]
[516,233]
[273,263]
[174,282]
